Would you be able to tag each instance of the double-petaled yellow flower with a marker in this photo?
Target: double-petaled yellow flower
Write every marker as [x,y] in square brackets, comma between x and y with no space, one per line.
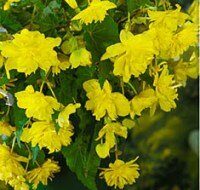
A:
[132,55]
[96,11]
[146,99]
[169,19]
[11,169]
[105,102]
[120,173]
[165,90]
[30,50]
[37,105]
[172,34]
[44,134]
[41,133]
[43,173]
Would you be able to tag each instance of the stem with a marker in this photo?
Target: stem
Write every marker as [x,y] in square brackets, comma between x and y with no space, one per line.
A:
[13,144]
[132,87]
[29,156]
[8,111]
[37,163]
[49,86]
[116,151]
[45,81]
[164,6]
[32,16]
[177,86]
[41,87]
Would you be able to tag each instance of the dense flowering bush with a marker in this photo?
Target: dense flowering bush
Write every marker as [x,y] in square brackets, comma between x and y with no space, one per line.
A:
[76,75]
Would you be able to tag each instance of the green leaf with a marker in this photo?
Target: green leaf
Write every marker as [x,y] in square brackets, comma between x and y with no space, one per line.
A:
[9,21]
[83,162]
[83,74]
[67,92]
[86,118]
[136,4]
[19,119]
[35,150]
[4,80]
[101,35]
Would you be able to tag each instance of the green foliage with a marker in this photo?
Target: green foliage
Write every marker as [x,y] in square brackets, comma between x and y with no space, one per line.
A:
[82,158]
[100,35]
[136,4]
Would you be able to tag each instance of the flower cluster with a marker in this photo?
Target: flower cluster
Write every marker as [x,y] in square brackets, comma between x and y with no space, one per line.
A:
[147,68]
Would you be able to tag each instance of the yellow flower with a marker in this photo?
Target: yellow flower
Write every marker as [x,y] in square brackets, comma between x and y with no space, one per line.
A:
[96,11]
[120,173]
[19,183]
[6,129]
[43,173]
[10,166]
[182,70]
[182,40]
[165,91]
[80,57]
[72,44]
[72,3]
[8,3]
[63,64]
[63,117]
[104,101]
[37,105]
[169,19]
[128,123]
[44,134]
[30,50]
[132,55]
[162,43]
[146,99]
[173,44]
[108,133]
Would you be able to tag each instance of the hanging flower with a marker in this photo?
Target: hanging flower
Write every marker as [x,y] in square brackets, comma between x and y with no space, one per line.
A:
[43,173]
[30,50]
[63,117]
[146,99]
[120,173]
[165,92]
[96,11]
[10,165]
[104,101]
[107,135]
[169,19]
[44,134]
[37,105]
[132,55]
